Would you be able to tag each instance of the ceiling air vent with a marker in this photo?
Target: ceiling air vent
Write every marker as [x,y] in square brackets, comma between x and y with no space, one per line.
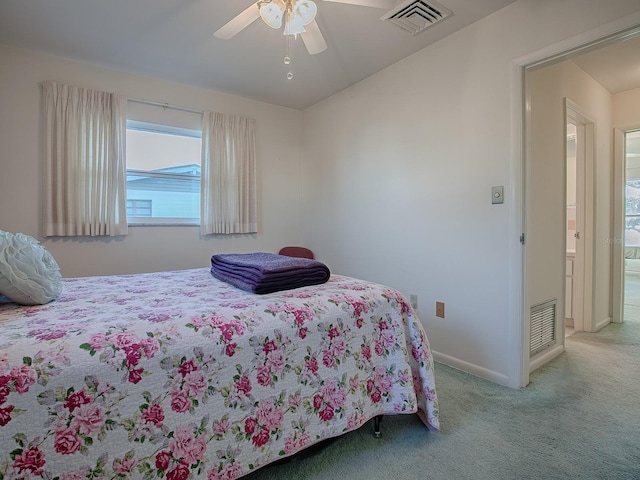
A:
[416,15]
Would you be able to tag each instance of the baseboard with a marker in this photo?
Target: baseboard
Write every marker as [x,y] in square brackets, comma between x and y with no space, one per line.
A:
[545,357]
[603,323]
[471,368]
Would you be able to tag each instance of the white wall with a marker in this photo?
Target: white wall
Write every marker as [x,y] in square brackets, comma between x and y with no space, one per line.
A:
[398,170]
[626,109]
[145,248]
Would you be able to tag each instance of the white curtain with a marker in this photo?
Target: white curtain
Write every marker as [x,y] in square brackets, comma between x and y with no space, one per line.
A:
[228,193]
[84,162]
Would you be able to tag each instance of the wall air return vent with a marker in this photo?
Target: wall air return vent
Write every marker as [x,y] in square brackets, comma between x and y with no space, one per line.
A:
[543,326]
[414,16]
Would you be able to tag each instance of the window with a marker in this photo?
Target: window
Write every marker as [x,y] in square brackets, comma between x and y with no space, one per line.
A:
[163,174]
[632,217]
[138,208]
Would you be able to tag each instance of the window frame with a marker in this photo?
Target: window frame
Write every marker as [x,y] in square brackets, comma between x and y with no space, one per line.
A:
[136,204]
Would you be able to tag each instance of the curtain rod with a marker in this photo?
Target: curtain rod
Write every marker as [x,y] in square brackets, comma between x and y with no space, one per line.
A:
[165,105]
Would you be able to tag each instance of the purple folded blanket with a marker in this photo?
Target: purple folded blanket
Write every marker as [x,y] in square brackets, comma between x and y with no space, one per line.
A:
[267,272]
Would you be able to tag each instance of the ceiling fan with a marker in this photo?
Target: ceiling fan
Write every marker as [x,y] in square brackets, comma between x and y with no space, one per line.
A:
[297,17]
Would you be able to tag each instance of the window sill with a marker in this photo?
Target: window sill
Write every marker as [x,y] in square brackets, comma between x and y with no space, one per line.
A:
[164,222]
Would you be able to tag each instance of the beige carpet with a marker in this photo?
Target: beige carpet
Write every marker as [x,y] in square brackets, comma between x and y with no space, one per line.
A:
[632,298]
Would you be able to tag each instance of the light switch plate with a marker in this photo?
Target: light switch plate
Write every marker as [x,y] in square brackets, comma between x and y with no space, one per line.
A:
[497,194]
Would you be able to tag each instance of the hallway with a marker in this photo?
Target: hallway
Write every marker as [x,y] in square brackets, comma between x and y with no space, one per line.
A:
[631,301]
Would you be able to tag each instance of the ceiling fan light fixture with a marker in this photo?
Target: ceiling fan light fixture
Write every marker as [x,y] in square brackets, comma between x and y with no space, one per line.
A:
[294,14]
[293,26]
[305,10]
[272,13]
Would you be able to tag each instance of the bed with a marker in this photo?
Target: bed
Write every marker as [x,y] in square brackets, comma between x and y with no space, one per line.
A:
[179,375]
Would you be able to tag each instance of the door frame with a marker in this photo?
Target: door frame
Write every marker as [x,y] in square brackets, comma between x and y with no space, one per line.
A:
[585,200]
[619,196]
[619,178]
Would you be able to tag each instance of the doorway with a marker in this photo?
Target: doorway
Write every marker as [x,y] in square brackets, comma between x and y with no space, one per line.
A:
[544,230]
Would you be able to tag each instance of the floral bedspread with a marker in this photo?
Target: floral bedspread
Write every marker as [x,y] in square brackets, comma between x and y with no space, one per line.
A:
[177,375]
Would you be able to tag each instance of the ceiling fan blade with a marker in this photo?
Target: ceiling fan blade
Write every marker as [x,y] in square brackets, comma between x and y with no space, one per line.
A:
[239,23]
[313,39]
[367,3]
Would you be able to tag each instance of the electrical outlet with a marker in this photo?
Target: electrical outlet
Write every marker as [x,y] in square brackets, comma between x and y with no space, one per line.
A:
[440,309]
[414,302]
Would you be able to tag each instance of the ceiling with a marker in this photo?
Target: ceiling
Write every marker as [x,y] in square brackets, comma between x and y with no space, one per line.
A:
[616,66]
[173,39]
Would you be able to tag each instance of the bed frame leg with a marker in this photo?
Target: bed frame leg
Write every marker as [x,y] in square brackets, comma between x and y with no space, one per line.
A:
[376,426]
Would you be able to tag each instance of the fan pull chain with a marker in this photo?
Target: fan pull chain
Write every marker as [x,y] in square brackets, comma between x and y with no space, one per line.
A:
[287,56]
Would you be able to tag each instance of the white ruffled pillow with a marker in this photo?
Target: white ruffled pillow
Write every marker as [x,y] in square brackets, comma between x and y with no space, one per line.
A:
[29,274]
